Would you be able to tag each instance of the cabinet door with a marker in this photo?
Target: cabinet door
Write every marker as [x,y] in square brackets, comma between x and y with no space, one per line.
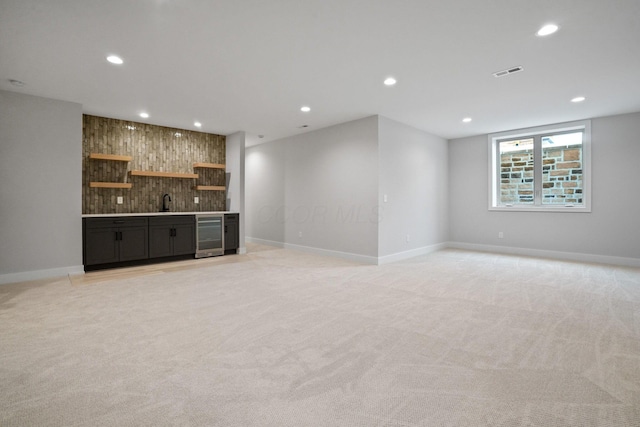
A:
[160,241]
[184,239]
[133,243]
[231,231]
[101,246]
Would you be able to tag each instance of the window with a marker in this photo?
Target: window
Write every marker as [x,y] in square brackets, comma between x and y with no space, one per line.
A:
[541,169]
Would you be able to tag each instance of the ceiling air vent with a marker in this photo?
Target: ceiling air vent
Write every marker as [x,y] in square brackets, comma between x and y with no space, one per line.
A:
[508,71]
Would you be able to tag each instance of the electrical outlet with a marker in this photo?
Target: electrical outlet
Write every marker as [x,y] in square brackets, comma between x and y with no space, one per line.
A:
[299,234]
[384,198]
[408,238]
[196,199]
[500,235]
[119,200]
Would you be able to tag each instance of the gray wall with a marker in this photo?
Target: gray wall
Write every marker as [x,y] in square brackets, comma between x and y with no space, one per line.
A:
[264,191]
[40,187]
[413,175]
[610,230]
[235,164]
[317,190]
[329,185]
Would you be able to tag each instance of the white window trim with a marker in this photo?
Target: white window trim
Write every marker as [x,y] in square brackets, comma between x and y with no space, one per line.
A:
[494,159]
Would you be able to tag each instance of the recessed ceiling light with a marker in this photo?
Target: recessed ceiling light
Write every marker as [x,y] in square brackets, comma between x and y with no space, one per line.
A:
[197,124]
[16,83]
[144,115]
[390,81]
[578,99]
[115,59]
[466,119]
[547,29]
[305,109]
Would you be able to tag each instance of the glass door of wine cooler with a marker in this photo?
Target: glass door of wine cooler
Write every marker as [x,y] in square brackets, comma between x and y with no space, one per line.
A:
[210,235]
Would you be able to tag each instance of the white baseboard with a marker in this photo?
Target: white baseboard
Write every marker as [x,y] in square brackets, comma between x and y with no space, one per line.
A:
[27,276]
[351,256]
[308,249]
[365,259]
[412,253]
[264,242]
[538,253]
[565,256]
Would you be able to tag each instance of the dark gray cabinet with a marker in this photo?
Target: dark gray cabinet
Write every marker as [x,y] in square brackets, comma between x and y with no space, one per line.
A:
[172,235]
[134,240]
[115,239]
[231,233]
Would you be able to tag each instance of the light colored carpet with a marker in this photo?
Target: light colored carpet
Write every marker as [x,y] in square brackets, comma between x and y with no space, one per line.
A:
[280,338]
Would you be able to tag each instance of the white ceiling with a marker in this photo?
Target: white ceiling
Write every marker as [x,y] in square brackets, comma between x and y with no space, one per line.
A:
[251,64]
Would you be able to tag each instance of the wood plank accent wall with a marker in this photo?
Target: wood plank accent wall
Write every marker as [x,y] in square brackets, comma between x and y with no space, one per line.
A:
[152,148]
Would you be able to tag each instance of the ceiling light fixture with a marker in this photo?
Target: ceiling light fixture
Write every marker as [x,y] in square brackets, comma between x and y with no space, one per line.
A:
[115,59]
[144,115]
[466,120]
[197,124]
[578,99]
[390,81]
[547,29]
[305,109]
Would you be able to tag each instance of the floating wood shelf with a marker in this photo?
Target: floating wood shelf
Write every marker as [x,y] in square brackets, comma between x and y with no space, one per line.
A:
[209,165]
[165,174]
[118,158]
[210,187]
[110,184]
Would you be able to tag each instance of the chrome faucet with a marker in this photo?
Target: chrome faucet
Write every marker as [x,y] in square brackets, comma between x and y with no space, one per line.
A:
[165,205]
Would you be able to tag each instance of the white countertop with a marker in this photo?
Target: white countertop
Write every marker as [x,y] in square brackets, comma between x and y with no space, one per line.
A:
[153,214]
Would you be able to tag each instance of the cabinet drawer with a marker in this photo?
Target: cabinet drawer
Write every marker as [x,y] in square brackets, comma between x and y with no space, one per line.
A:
[231,218]
[116,222]
[172,220]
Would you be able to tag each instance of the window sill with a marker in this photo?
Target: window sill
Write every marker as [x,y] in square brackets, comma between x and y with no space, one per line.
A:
[563,209]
